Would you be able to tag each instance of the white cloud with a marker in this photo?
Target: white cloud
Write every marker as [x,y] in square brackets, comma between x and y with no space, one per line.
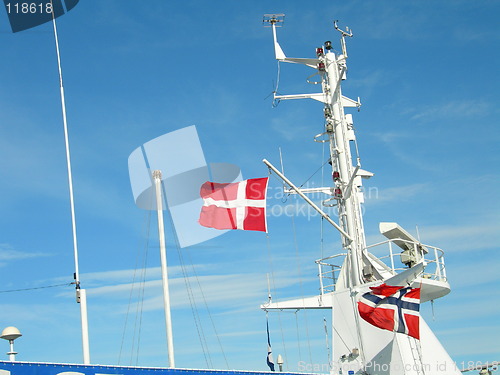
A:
[240,288]
[370,82]
[373,195]
[470,237]
[398,142]
[8,253]
[451,110]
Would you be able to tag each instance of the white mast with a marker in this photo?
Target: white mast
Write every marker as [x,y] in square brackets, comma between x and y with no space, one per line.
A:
[81,295]
[164,274]
[332,72]
[331,69]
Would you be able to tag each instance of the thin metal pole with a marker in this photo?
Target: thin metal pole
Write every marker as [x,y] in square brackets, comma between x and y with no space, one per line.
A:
[12,353]
[164,274]
[81,295]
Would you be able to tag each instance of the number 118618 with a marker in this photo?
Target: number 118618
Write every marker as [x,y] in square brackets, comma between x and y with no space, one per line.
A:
[29,8]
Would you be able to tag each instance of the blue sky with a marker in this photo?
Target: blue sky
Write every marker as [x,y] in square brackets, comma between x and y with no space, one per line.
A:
[427,75]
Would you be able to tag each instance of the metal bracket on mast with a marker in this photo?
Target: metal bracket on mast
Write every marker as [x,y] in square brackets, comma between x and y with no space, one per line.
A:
[311,203]
[351,181]
[273,19]
[345,33]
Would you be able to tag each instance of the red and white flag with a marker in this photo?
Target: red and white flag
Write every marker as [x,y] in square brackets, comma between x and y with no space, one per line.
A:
[238,205]
[394,308]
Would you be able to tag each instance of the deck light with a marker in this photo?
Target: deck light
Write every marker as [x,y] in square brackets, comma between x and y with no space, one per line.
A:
[10,334]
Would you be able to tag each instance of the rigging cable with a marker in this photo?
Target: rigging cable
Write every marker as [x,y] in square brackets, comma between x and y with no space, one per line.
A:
[140,297]
[298,334]
[328,351]
[311,176]
[301,284]
[276,102]
[194,307]
[274,291]
[140,306]
[207,308]
[146,245]
[194,310]
[35,288]
[190,294]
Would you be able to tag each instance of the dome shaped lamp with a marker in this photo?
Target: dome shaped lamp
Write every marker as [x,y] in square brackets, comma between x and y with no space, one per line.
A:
[10,334]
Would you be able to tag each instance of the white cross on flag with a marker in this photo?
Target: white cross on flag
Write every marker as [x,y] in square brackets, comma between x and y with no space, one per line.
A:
[394,308]
[238,205]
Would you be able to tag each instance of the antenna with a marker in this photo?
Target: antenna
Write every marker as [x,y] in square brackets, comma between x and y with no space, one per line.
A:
[273,19]
[345,33]
[81,295]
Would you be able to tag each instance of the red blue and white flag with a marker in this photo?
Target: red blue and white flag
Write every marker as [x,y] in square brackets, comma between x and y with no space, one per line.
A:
[269,358]
[237,205]
[394,308]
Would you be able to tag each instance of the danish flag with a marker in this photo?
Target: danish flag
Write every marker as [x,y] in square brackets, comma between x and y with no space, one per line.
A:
[394,308]
[238,205]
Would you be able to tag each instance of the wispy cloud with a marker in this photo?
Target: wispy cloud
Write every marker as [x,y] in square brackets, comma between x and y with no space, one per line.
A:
[374,195]
[452,109]
[8,253]
[470,237]
[240,288]
[370,82]
[398,144]
[287,128]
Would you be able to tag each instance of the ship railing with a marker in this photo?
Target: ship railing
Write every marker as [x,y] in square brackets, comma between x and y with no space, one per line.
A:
[394,261]
[328,270]
[415,252]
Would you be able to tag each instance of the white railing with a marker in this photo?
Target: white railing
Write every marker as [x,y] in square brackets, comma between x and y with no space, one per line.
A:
[328,272]
[394,258]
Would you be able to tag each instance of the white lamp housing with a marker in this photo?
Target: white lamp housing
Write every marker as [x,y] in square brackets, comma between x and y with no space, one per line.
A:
[10,334]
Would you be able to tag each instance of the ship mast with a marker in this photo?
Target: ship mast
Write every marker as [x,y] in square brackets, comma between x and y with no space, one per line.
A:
[332,70]
[345,194]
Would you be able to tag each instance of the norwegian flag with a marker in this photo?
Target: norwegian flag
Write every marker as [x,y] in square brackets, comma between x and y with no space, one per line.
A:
[238,205]
[394,308]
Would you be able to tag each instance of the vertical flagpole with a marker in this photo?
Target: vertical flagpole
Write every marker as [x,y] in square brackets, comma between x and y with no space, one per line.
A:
[81,296]
[164,274]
